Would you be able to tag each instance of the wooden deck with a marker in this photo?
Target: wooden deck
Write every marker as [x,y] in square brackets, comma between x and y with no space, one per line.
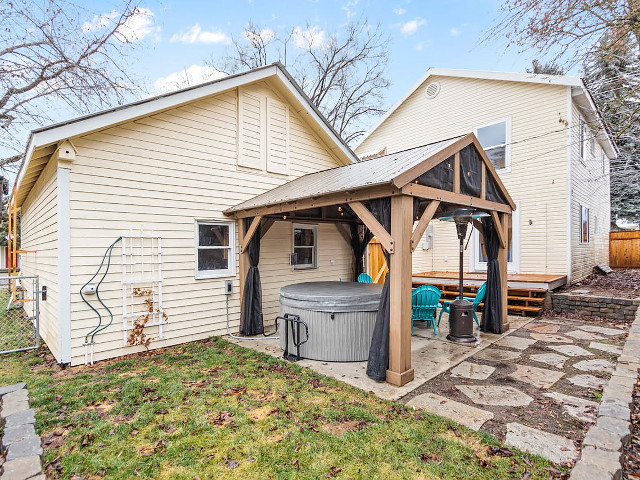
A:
[514,280]
[526,292]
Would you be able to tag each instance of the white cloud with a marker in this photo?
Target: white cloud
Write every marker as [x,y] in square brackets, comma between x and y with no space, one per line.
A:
[412,26]
[196,35]
[263,35]
[312,37]
[194,75]
[399,11]
[454,32]
[139,25]
[349,8]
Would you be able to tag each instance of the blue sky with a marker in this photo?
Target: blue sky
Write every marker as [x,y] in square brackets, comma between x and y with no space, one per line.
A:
[173,36]
[178,34]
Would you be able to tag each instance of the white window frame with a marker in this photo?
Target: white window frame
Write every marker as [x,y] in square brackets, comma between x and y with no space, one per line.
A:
[231,270]
[507,144]
[315,244]
[582,134]
[584,208]
[514,265]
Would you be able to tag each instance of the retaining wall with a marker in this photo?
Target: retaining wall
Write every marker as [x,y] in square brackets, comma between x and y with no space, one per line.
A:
[617,309]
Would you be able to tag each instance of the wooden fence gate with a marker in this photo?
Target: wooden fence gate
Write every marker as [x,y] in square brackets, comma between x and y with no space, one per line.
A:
[624,249]
[377,264]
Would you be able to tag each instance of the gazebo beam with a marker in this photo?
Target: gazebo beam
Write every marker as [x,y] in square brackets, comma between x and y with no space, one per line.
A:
[501,233]
[250,232]
[421,191]
[372,224]
[400,371]
[503,260]
[426,217]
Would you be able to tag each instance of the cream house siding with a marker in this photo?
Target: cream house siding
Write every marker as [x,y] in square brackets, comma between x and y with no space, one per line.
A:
[162,173]
[39,225]
[589,187]
[536,180]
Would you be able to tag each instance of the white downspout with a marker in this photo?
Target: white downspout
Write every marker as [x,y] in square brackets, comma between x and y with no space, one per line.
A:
[569,193]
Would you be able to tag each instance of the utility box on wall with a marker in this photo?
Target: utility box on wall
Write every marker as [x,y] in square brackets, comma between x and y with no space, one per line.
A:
[427,243]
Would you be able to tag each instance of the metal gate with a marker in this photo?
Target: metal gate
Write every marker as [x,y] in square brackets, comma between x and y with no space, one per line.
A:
[19,313]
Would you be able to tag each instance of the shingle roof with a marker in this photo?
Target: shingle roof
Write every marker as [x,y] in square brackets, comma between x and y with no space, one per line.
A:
[376,171]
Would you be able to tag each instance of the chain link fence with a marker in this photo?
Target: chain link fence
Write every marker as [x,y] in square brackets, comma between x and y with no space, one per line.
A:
[19,306]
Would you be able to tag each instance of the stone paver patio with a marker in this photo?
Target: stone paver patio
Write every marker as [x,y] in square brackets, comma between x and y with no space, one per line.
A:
[536,387]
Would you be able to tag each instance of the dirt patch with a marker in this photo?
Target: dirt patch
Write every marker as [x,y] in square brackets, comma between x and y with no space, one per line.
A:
[621,283]
[261,413]
[341,428]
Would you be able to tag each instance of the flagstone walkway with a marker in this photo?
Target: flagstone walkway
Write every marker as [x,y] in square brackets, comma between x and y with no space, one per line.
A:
[537,389]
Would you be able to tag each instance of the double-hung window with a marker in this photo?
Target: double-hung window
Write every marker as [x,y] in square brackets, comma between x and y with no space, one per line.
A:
[305,246]
[583,138]
[215,249]
[584,224]
[495,139]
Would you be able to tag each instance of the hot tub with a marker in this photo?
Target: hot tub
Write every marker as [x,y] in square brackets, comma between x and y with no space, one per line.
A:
[341,317]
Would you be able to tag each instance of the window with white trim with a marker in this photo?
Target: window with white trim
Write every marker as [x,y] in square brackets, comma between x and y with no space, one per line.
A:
[305,246]
[495,139]
[215,249]
[584,224]
[583,136]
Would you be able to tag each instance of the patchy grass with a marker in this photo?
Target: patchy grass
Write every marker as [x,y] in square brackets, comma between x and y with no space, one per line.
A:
[212,409]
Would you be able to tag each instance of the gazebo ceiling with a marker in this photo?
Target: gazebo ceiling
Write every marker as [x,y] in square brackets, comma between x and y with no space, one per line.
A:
[455,171]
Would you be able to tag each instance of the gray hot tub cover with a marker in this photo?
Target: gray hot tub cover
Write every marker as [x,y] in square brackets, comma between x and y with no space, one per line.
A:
[332,296]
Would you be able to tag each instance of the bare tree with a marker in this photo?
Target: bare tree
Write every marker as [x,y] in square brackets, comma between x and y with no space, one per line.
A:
[56,53]
[562,29]
[343,72]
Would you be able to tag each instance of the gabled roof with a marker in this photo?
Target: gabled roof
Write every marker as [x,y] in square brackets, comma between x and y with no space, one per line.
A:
[42,141]
[579,90]
[394,170]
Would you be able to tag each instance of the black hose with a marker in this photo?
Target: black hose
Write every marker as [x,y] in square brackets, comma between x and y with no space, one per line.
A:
[98,328]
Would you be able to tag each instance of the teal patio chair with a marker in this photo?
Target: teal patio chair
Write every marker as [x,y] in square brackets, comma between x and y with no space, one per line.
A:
[364,278]
[424,303]
[476,301]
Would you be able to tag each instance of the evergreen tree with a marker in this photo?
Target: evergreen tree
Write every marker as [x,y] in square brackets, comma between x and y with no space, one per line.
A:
[612,73]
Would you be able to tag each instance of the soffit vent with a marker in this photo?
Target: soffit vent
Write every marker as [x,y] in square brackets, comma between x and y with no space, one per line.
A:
[432,90]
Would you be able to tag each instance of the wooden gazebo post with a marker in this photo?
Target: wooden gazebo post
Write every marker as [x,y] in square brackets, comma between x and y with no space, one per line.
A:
[400,371]
[503,260]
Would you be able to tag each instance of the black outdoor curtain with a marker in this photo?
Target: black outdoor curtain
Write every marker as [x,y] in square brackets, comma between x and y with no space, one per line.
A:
[378,362]
[492,312]
[470,172]
[251,320]
[358,246]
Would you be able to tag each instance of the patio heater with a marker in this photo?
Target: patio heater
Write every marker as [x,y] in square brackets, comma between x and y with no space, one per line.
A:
[461,310]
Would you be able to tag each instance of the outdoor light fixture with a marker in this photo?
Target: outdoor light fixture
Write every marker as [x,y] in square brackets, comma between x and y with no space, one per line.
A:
[461,310]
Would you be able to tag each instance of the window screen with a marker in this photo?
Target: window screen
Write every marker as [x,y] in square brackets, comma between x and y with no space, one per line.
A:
[215,245]
[584,224]
[305,246]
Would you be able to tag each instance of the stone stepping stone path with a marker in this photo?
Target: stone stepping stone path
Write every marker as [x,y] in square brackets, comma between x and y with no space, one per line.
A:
[544,328]
[466,415]
[20,444]
[583,410]
[581,335]
[473,371]
[497,355]
[554,447]
[550,338]
[571,350]
[553,359]
[538,377]
[602,330]
[517,343]
[595,365]
[495,395]
[587,381]
[605,347]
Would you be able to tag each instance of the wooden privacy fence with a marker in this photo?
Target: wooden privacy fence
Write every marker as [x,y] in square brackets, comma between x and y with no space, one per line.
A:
[624,249]
[377,264]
